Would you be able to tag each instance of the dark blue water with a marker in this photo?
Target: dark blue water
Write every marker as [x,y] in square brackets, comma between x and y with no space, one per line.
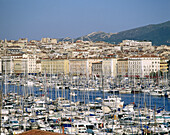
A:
[89,96]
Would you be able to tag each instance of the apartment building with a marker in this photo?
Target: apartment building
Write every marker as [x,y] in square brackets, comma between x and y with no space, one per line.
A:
[13,50]
[23,40]
[78,67]
[0,65]
[136,43]
[7,65]
[169,70]
[122,67]
[163,65]
[31,63]
[97,69]
[90,61]
[20,65]
[49,40]
[60,66]
[38,66]
[142,66]
[109,67]
[55,66]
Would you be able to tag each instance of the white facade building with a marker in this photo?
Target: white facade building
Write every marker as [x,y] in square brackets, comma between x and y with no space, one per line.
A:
[31,63]
[143,66]
[136,43]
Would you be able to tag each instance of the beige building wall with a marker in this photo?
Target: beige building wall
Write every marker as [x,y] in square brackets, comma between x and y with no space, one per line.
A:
[0,65]
[38,66]
[7,64]
[45,40]
[54,41]
[21,44]
[45,63]
[55,66]
[60,66]
[97,69]
[31,65]
[90,62]
[20,65]
[109,66]
[122,67]
[78,67]
[164,65]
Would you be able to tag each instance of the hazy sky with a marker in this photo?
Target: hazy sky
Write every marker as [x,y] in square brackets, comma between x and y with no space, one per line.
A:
[35,19]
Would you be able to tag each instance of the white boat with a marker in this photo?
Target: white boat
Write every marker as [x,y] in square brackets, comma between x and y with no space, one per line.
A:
[125,91]
[157,92]
[113,101]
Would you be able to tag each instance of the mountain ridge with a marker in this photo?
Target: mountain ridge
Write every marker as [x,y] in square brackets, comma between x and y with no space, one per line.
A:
[159,34]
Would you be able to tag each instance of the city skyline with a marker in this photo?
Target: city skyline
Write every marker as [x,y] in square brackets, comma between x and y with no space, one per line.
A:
[59,19]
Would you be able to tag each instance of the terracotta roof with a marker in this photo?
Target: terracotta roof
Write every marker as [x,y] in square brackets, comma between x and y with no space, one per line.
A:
[38,132]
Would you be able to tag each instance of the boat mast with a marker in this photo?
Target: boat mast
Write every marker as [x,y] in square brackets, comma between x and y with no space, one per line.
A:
[1,101]
[45,88]
[5,79]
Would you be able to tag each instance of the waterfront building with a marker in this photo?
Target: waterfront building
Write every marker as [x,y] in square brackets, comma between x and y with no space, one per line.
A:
[122,66]
[90,61]
[163,65]
[38,66]
[0,65]
[142,66]
[60,66]
[31,63]
[7,64]
[78,67]
[164,70]
[55,66]
[169,71]
[135,67]
[97,69]
[109,67]
[20,65]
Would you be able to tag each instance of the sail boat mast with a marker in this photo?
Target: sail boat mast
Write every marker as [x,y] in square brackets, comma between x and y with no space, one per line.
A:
[1,100]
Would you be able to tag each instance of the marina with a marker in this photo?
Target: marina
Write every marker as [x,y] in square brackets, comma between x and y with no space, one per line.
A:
[84,67]
[74,105]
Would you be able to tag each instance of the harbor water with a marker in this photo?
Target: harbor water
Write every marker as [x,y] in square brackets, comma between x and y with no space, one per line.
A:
[139,99]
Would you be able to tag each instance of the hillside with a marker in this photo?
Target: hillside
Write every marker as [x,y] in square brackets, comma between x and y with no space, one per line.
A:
[157,33]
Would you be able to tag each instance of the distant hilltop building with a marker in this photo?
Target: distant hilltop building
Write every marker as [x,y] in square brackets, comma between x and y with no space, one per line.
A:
[23,40]
[136,43]
[49,40]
